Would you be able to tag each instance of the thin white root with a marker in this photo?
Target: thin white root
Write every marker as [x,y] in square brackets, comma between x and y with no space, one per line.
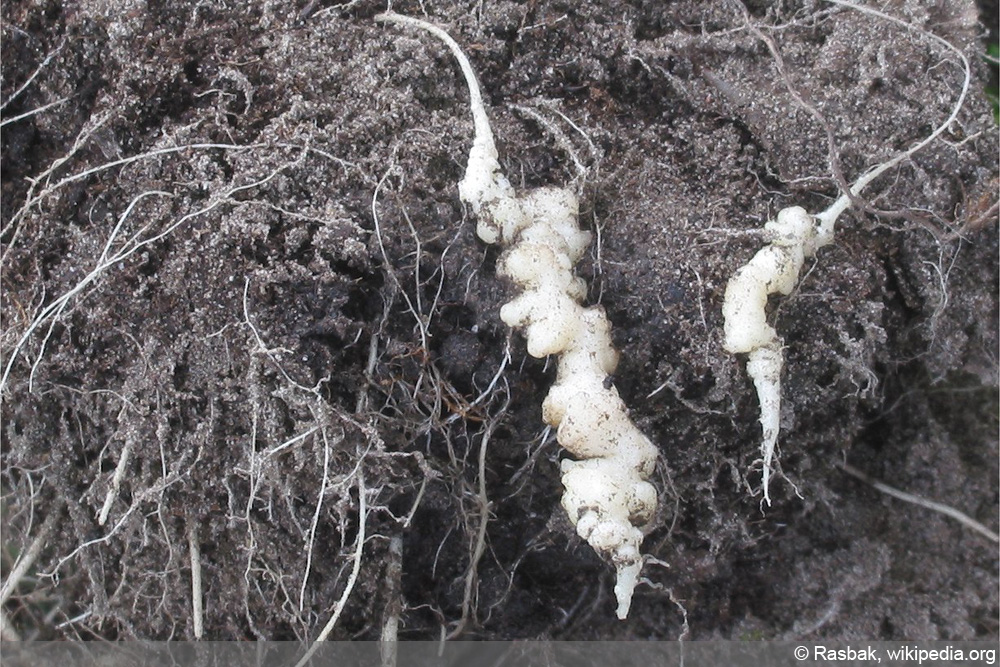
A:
[388,642]
[359,545]
[828,219]
[21,567]
[941,508]
[315,520]
[479,547]
[775,269]
[34,75]
[7,631]
[55,309]
[30,555]
[116,482]
[197,605]
[108,258]
[607,493]
[484,134]
[33,112]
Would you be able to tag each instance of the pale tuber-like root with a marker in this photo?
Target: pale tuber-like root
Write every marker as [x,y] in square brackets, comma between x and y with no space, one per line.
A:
[607,493]
[773,270]
[796,236]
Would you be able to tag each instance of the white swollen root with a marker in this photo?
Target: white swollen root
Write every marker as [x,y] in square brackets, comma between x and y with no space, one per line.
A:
[607,495]
[795,236]
[773,270]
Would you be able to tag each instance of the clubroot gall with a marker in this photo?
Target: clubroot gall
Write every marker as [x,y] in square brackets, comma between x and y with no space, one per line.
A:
[607,493]
[795,236]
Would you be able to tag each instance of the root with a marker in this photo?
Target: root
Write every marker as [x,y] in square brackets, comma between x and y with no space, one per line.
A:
[359,545]
[197,609]
[30,555]
[809,107]
[795,237]
[34,198]
[34,75]
[607,495]
[562,141]
[940,508]
[828,218]
[169,479]
[33,112]
[116,481]
[7,632]
[394,607]
[851,194]
[479,547]
[315,520]
[108,259]
[484,134]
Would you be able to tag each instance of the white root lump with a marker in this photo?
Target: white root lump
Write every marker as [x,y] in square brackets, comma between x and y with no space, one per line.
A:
[607,493]
[773,270]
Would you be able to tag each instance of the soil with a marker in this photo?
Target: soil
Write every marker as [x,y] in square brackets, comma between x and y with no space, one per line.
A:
[300,312]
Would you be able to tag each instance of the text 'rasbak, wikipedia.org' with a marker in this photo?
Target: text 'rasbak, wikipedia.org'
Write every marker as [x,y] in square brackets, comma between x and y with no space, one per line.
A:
[911,654]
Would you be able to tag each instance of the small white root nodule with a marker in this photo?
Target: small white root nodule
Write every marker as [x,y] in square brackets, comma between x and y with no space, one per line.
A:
[607,493]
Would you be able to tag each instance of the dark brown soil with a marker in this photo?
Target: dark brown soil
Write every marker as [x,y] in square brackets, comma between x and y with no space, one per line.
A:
[286,344]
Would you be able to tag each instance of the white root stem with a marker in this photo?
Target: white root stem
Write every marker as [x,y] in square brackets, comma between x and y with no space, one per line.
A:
[827,220]
[389,639]
[197,605]
[359,546]
[30,555]
[7,631]
[932,505]
[775,269]
[764,366]
[607,493]
[116,482]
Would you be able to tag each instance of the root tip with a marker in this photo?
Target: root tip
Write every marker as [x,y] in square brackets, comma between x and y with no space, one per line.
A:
[628,577]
